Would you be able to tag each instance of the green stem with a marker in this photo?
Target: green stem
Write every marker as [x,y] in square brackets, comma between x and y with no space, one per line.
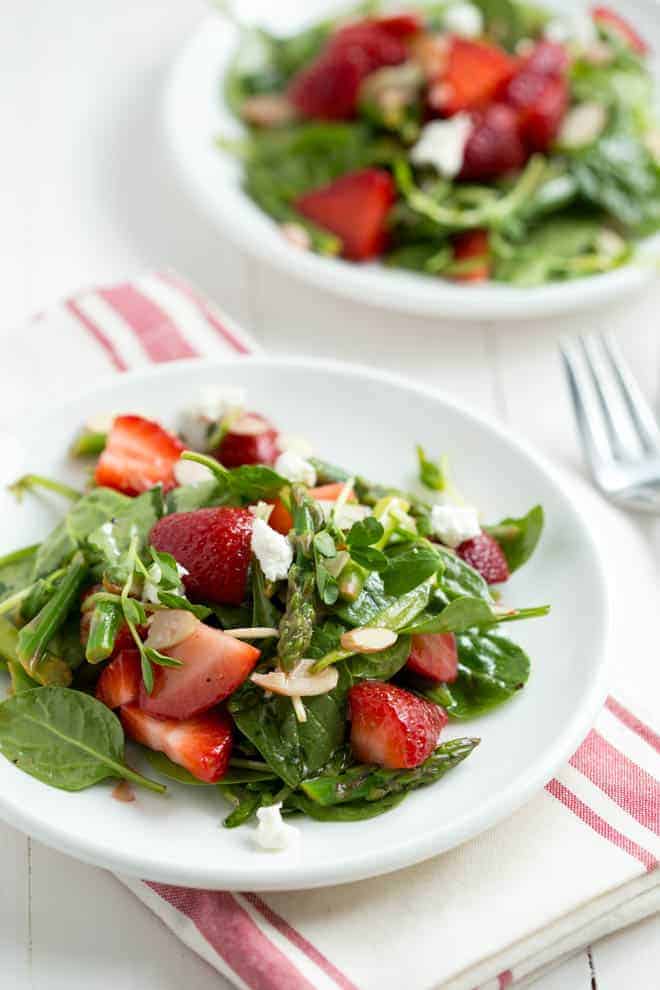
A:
[17,555]
[237,761]
[31,481]
[220,472]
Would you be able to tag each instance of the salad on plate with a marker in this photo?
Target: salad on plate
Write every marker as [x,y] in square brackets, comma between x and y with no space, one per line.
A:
[258,620]
[474,141]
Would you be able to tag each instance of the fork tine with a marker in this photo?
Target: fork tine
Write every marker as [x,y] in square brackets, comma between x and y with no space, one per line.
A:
[595,448]
[607,392]
[639,409]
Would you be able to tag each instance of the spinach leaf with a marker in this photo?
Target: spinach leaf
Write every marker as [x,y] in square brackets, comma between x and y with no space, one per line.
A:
[366,782]
[468,613]
[294,750]
[458,579]
[410,568]
[255,481]
[518,537]
[491,669]
[81,520]
[231,616]
[264,612]
[173,771]
[325,638]
[383,665]
[16,571]
[65,738]
[112,540]
[188,498]
[509,21]
[352,811]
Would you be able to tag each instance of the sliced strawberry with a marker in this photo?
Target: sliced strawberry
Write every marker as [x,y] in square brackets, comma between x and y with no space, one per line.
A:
[252,440]
[473,246]
[369,44]
[214,545]
[393,727]
[202,745]
[474,73]
[614,23]
[355,207]
[138,455]
[400,25]
[214,665]
[485,554]
[547,58]
[540,102]
[494,147]
[434,655]
[328,88]
[282,520]
[119,684]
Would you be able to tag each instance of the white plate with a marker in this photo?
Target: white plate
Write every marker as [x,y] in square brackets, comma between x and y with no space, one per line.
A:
[195,114]
[368,422]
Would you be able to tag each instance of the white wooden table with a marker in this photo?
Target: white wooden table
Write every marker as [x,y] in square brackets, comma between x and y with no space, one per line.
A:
[85,197]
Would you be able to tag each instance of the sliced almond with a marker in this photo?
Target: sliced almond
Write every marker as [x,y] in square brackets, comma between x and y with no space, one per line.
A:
[250,426]
[368,639]
[268,110]
[171,626]
[296,235]
[258,632]
[299,682]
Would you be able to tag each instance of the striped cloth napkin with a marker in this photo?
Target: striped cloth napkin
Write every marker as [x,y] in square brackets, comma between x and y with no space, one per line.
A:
[579,861]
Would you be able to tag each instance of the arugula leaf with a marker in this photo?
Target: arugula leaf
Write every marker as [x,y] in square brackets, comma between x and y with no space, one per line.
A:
[491,669]
[72,532]
[518,537]
[366,782]
[410,568]
[65,738]
[294,750]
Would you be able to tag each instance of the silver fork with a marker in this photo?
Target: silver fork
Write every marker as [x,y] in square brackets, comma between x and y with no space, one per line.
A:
[618,430]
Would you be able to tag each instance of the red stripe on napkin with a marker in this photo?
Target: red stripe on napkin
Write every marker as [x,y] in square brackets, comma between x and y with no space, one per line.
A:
[599,825]
[632,788]
[235,937]
[206,311]
[631,721]
[159,335]
[99,335]
[299,941]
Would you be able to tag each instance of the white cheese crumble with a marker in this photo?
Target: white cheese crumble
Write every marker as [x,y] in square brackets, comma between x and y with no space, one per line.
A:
[273,833]
[453,524]
[272,550]
[578,27]
[465,20]
[442,144]
[214,402]
[191,473]
[293,467]
[262,510]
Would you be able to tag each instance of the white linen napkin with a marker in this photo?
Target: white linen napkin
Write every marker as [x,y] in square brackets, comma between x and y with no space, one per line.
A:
[577,862]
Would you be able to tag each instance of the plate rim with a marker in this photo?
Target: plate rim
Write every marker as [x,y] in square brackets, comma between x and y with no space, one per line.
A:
[370,286]
[501,806]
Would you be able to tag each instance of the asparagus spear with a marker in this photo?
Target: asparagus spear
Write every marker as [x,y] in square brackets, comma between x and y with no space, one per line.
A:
[107,619]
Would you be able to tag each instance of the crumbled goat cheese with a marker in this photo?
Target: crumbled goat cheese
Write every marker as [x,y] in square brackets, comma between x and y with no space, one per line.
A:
[272,550]
[465,20]
[262,510]
[293,467]
[453,524]
[272,832]
[191,473]
[578,27]
[442,144]
[213,404]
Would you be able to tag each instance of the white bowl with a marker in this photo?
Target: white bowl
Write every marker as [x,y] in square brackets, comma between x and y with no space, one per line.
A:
[195,114]
[369,422]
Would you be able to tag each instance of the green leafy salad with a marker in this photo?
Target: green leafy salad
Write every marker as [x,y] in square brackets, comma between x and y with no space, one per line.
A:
[484,140]
[257,620]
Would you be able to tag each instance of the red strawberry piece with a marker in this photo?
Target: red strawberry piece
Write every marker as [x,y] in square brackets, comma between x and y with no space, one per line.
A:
[400,25]
[213,666]
[328,88]
[138,455]
[369,45]
[485,554]
[474,73]
[434,655]
[214,545]
[355,207]
[393,727]
[281,519]
[494,146]
[619,26]
[202,745]
[473,246]
[119,684]
[252,440]
[541,103]
[547,58]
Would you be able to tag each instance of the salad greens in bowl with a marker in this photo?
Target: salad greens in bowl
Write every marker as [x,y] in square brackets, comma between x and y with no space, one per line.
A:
[469,141]
[475,160]
[210,620]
